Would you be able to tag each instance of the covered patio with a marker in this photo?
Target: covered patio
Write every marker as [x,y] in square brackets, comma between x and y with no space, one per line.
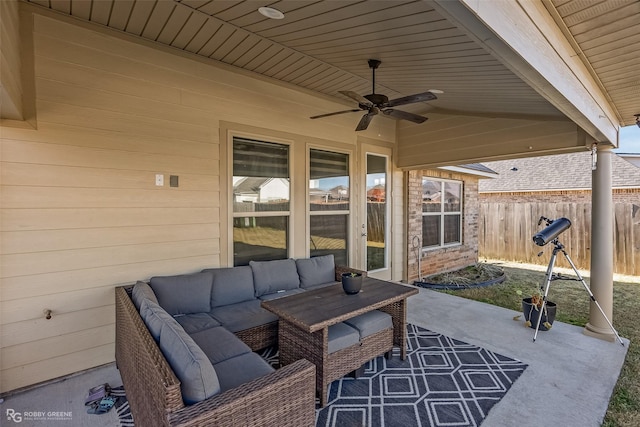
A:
[565,381]
[124,125]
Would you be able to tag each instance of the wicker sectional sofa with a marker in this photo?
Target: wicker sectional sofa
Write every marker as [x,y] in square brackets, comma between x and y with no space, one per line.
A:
[184,346]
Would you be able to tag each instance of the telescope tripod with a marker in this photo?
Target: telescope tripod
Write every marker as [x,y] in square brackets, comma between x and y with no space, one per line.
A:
[559,247]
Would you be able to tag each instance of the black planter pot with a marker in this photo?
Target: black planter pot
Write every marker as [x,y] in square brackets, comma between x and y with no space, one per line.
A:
[531,313]
[351,284]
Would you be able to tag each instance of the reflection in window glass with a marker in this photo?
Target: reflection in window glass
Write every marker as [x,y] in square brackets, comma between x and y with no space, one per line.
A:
[441,213]
[259,239]
[452,192]
[260,176]
[329,195]
[431,195]
[430,231]
[328,181]
[451,229]
[376,211]
[328,235]
[261,195]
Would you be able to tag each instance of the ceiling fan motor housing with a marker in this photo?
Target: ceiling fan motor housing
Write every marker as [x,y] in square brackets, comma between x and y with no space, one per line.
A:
[377,99]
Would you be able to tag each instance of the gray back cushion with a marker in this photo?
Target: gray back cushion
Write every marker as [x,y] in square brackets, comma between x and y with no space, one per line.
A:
[183,294]
[154,317]
[316,271]
[142,290]
[198,378]
[274,276]
[231,285]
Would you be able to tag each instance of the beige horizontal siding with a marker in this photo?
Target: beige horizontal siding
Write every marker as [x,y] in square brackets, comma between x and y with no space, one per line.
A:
[22,309]
[472,138]
[71,280]
[56,366]
[70,218]
[48,348]
[57,261]
[23,242]
[80,209]
[60,325]
[75,136]
[58,153]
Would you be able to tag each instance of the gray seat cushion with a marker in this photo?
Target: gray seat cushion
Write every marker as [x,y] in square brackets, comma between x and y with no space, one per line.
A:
[231,285]
[183,294]
[281,294]
[316,271]
[244,315]
[272,276]
[198,378]
[142,290]
[241,369]
[342,336]
[196,322]
[219,344]
[370,322]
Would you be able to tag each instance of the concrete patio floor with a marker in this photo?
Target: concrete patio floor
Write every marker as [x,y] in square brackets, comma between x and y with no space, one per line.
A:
[569,380]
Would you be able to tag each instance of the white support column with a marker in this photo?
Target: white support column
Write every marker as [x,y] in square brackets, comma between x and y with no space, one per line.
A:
[601,247]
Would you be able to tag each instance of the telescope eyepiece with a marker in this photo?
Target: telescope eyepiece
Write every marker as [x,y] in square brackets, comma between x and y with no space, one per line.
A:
[553,230]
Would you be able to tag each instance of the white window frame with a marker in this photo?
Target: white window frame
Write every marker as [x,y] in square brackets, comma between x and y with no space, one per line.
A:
[442,213]
[233,215]
[347,212]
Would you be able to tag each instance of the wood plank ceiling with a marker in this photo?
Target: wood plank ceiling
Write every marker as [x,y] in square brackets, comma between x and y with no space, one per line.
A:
[323,46]
[606,35]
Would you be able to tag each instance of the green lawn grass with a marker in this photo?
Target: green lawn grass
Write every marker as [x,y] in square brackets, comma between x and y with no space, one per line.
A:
[573,307]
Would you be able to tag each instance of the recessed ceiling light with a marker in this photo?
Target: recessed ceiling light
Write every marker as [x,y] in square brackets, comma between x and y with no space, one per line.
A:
[270,12]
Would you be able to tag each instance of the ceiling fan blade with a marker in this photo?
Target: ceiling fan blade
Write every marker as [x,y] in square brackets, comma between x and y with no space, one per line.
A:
[337,112]
[398,114]
[366,119]
[356,97]
[418,97]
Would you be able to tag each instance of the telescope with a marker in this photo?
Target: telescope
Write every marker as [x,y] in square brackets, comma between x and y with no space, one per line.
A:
[553,230]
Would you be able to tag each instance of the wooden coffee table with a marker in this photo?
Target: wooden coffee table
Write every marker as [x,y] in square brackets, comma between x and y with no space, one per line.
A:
[305,319]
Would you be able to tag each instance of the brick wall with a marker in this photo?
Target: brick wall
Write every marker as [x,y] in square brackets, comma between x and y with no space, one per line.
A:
[445,259]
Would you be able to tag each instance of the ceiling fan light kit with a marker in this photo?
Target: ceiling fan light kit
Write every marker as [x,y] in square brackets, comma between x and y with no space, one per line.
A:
[376,103]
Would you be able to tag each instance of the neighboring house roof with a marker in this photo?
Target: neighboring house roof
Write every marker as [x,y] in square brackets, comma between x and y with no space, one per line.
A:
[633,158]
[570,171]
[250,185]
[477,169]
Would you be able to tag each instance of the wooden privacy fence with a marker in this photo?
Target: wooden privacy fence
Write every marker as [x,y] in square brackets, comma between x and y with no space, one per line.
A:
[506,232]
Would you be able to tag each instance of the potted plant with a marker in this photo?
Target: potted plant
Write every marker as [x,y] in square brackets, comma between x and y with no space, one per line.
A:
[531,308]
[351,283]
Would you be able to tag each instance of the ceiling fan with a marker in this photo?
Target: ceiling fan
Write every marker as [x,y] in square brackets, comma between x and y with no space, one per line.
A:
[375,103]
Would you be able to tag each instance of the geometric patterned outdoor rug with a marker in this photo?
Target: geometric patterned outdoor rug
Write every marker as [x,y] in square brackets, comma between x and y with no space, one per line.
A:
[442,382]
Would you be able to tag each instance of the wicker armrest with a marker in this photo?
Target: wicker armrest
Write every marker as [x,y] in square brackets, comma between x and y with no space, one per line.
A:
[343,269]
[285,397]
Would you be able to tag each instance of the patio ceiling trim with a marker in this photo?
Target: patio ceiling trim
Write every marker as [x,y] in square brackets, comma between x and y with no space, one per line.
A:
[509,29]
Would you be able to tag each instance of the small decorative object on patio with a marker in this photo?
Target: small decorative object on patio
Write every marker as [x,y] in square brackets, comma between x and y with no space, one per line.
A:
[531,310]
[351,283]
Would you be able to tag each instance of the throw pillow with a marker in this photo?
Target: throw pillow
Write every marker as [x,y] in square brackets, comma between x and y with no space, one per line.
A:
[142,290]
[183,294]
[316,271]
[273,276]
